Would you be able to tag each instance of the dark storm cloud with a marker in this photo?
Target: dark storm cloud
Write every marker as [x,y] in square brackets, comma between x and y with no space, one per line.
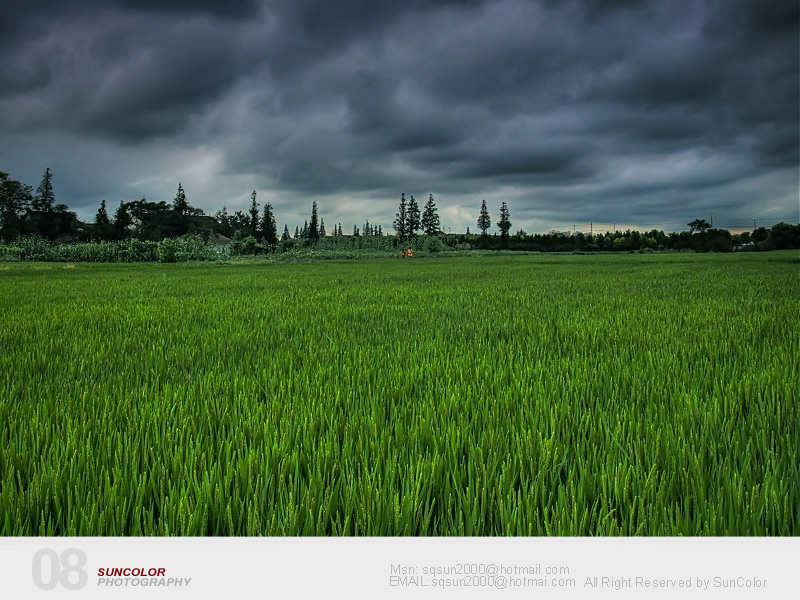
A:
[620,107]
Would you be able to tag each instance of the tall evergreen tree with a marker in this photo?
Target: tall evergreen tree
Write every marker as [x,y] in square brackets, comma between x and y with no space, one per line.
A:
[253,215]
[401,222]
[355,230]
[504,224]
[341,233]
[322,228]
[414,221]
[269,228]
[45,198]
[285,235]
[484,221]
[101,218]
[430,219]
[380,231]
[297,233]
[179,203]
[313,228]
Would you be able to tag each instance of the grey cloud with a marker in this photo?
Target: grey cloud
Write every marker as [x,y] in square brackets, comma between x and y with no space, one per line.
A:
[614,104]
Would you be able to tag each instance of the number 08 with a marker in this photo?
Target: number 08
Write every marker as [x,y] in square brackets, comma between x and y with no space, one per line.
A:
[72,560]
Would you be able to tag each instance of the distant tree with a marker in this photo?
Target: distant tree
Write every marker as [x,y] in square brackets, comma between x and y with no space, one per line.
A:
[504,224]
[783,236]
[468,233]
[380,231]
[699,225]
[414,221]
[102,224]
[122,222]
[101,218]
[179,203]
[341,233]
[484,221]
[45,197]
[269,228]
[367,228]
[15,198]
[355,231]
[430,219]
[322,228]
[401,222]
[253,215]
[313,227]
[297,233]
[285,235]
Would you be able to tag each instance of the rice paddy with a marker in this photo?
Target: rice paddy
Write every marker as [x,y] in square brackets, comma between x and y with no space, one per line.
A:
[473,396]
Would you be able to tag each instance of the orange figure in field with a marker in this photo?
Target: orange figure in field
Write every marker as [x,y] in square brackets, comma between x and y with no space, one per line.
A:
[402,254]
[410,253]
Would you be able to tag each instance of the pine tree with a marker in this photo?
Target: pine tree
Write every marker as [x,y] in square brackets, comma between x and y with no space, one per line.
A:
[504,224]
[355,230]
[401,222]
[285,235]
[484,221]
[430,219]
[380,232]
[253,214]
[45,198]
[341,233]
[313,228]
[269,228]
[297,233]
[414,222]
[179,203]
[304,231]
[101,218]
[322,228]
[367,228]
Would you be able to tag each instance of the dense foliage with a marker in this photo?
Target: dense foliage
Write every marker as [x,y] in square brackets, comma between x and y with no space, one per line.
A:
[492,395]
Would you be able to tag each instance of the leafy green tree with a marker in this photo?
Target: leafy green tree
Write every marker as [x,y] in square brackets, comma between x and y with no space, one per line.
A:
[430,219]
[313,228]
[504,224]
[15,198]
[484,221]
[122,222]
[401,222]
[45,197]
[269,228]
[699,225]
[414,221]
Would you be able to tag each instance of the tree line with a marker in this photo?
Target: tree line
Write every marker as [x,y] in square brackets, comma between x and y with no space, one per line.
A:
[25,212]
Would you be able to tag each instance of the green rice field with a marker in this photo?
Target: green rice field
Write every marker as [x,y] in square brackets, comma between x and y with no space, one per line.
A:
[493,395]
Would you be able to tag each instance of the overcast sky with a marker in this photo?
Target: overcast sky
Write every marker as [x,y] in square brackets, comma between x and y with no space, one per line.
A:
[644,113]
